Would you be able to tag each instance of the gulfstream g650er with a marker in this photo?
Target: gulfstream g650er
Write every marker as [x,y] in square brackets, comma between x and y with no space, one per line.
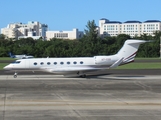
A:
[78,65]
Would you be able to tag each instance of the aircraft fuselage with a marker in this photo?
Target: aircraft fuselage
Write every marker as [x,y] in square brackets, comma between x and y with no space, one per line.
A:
[62,64]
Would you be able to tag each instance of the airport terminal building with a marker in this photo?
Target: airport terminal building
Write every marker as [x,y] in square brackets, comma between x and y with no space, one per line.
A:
[132,28]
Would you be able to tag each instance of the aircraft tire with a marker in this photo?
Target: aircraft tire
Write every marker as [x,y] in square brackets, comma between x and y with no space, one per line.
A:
[83,76]
[15,76]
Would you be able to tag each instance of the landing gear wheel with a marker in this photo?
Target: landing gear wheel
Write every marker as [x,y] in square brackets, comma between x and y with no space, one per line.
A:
[83,76]
[15,75]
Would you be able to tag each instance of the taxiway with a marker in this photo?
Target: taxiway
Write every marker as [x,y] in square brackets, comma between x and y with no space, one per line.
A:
[50,97]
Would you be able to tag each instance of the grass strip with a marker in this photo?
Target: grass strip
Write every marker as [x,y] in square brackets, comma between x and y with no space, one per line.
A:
[141,66]
[2,65]
[6,58]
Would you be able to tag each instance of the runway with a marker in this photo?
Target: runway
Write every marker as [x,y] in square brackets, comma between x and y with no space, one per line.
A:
[105,97]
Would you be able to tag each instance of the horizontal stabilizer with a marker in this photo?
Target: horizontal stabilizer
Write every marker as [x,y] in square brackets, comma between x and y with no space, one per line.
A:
[117,63]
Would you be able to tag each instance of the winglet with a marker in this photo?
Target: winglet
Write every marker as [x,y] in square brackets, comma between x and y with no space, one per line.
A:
[117,63]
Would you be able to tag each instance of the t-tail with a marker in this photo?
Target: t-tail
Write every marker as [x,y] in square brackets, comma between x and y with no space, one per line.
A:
[129,50]
[11,55]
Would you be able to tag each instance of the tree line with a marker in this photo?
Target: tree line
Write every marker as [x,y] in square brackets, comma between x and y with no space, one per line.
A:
[89,45]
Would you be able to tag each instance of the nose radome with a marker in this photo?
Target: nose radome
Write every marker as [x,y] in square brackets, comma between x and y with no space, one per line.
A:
[6,68]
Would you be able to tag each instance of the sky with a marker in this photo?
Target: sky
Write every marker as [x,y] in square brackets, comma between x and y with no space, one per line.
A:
[68,14]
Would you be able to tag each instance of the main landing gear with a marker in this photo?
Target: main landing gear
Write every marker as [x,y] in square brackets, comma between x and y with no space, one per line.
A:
[15,75]
[81,74]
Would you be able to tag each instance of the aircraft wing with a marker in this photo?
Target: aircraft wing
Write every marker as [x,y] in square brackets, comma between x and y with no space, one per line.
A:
[70,69]
[117,63]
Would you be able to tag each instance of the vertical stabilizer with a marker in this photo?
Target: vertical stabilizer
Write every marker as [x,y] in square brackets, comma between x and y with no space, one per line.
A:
[129,50]
[11,55]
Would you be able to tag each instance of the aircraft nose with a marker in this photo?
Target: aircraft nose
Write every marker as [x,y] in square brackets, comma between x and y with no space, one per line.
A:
[7,68]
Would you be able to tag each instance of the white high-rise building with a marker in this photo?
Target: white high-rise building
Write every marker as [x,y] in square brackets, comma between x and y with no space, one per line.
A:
[32,29]
[132,28]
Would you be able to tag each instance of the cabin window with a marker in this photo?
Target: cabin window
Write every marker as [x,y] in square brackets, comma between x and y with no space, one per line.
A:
[48,63]
[74,62]
[41,63]
[55,63]
[68,63]
[81,62]
[61,63]
[35,63]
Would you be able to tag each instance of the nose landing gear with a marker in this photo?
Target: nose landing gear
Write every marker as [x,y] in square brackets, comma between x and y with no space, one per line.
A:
[15,75]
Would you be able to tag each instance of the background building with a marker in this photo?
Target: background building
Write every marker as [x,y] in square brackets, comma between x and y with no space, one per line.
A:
[32,29]
[132,28]
[106,27]
[75,34]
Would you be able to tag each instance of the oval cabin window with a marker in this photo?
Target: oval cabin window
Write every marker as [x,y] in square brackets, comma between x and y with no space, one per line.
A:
[35,63]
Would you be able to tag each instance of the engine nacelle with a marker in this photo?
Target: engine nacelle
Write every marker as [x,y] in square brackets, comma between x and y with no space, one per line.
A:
[105,60]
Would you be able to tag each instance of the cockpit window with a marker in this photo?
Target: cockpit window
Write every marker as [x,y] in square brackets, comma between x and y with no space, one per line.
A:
[16,62]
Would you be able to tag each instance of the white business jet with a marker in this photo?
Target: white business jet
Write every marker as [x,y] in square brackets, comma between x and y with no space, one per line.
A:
[78,65]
